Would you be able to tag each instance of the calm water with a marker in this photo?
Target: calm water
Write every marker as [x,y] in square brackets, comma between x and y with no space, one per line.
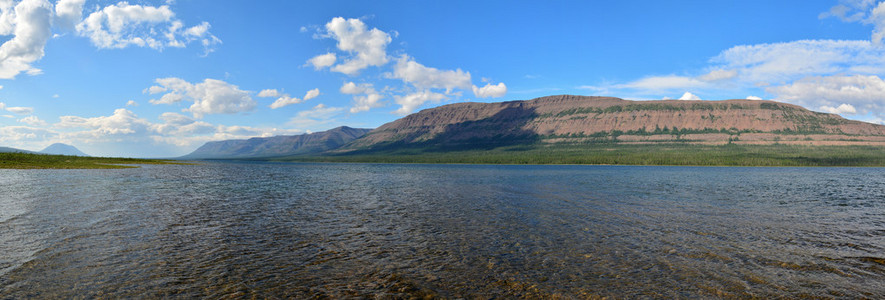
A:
[376,230]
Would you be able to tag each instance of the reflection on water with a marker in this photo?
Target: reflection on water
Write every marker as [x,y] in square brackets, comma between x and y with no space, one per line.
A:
[367,230]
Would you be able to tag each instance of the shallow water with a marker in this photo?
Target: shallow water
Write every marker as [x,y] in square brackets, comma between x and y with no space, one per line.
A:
[380,230]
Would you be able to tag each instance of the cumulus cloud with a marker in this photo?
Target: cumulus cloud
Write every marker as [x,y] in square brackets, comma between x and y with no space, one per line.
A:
[753,98]
[122,25]
[843,108]
[33,121]
[360,48]
[311,94]
[211,96]
[365,47]
[13,135]
[20,110]
[131,103]
[122,122]
[689,96]
[410,102]
[423,77]
[268,93]
[285,99]
[859,91]
[125,129]
[29,24]
[490,91]
[323,61]
[68,13]
[365,97]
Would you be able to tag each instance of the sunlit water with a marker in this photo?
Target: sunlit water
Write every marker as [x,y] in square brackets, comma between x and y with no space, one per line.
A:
[377,230]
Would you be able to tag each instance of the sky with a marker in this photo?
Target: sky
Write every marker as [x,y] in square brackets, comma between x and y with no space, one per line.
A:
[160,78]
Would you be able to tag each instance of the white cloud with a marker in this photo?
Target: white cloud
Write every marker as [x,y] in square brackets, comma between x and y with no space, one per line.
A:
[717,75]
[122,122]
[844,108]
[864,11]
[490,91]
[689,96]
[311,94]
[753,98]
[365,47]
[2,105]
[323,60]
[211,96]
[410,102]
[122,25]
[865,93]
[778,62]
[366,97]
[360,48]
[29,23]
[125,132]
[317,116]
[20,110]
[131,103]
[285,100]
[658,83]
[14,135]
[423,77]
[268,93]
[33,121]
[68,13]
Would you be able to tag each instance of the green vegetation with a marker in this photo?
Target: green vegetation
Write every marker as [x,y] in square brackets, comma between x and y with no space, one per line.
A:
[629,154]
[44,161]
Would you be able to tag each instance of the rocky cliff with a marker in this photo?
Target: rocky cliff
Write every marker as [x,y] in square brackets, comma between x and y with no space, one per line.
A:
[278,145]
[567,118]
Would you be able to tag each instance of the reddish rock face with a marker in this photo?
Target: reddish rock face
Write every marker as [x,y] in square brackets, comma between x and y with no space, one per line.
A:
[567,118]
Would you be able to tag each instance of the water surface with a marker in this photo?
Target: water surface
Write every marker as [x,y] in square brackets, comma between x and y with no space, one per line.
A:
[380,230]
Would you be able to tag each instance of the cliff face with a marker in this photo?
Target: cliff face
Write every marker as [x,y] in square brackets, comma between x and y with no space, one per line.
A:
[567,118]
[278,145]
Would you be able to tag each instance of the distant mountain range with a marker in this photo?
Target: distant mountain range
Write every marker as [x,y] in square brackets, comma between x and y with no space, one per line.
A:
[13,150]
[62,149]
[570,119]
[278,145]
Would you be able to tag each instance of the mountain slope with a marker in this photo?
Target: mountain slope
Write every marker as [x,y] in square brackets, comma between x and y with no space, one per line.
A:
[278,145]
[578,119]
[62,149]
[13,150]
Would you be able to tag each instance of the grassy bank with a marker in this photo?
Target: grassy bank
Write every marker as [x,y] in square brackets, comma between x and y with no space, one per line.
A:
[42,161]
[629,154]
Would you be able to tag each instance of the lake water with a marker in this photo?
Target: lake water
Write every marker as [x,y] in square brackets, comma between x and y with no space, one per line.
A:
[381,230]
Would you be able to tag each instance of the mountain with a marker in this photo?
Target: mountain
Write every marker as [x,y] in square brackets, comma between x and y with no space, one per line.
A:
[278,145]
[581,119]
[62,149]
[8,150]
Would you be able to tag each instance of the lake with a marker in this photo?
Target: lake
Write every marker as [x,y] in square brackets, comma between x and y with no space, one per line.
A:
[474,231]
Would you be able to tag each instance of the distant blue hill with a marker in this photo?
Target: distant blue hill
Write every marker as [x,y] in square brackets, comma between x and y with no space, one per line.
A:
[63,149]
[8,150]
[278,146]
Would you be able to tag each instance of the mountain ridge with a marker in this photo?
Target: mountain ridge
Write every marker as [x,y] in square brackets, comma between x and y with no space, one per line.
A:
[284,145]
[579,119]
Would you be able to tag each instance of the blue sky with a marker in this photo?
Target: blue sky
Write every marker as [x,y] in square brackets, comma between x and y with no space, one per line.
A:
[160,78]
